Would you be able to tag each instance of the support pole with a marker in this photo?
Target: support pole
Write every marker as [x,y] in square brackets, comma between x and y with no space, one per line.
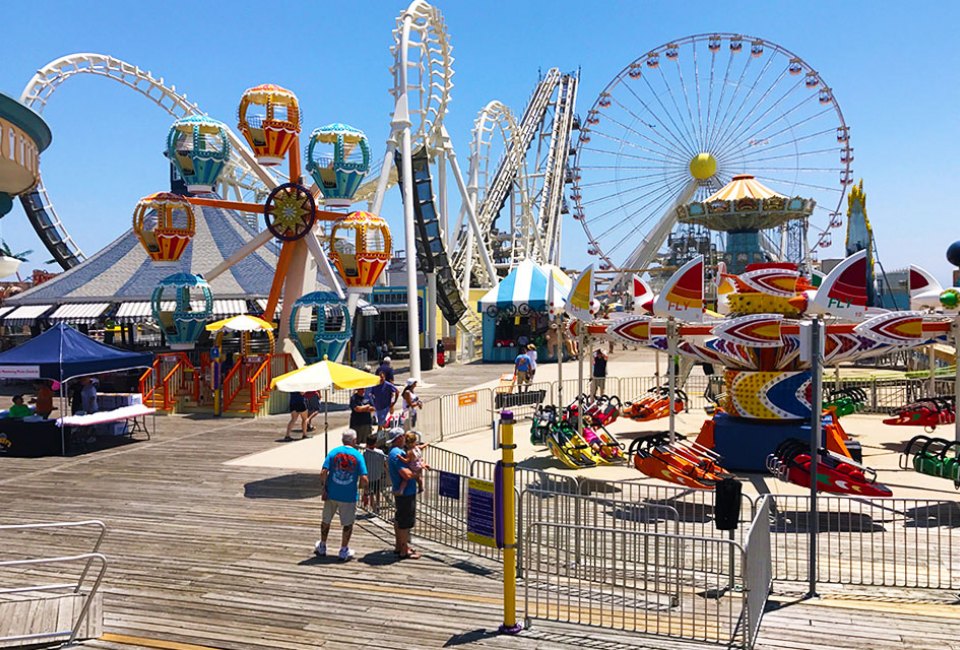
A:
[430,326]
[444,235]
[581,402]
[672,373]
[384,173]
[561,341]
[413,315]
[816,421]
[955,327]
[510,625]
[402,124]
[932,364]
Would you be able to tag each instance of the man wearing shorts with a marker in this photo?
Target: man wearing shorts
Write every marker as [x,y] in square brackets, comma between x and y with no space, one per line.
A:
[405,501]
[343,469]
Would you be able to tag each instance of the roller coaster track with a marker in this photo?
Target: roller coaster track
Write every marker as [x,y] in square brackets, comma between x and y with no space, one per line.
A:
[242,174]
[431,250]
[558,156]
[538,240]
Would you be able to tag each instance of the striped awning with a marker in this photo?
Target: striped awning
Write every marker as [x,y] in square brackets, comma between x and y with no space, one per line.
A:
[25,315]
[142,312]
[86,313]
[224,308]
[364,307]
[6,310]
[134,312]
[525,289]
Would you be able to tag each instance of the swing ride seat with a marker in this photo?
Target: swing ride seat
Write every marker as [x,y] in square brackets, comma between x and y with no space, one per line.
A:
[936,457]
[791,463]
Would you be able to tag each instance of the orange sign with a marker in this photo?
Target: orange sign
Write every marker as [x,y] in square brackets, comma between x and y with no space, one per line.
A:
[466,399]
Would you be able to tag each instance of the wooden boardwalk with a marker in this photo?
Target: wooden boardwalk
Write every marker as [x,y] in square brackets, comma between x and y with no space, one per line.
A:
[205,555]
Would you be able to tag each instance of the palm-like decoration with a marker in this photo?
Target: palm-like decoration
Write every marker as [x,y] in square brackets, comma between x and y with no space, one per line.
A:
[5,251]
[10,261]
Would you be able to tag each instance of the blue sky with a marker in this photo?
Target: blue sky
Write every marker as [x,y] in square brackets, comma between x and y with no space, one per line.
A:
[893,67]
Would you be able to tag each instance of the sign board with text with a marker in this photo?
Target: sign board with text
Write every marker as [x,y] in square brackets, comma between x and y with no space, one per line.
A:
[481,512]
[19,372]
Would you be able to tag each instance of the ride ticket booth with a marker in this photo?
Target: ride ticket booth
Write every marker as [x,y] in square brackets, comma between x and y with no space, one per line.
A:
[517,312]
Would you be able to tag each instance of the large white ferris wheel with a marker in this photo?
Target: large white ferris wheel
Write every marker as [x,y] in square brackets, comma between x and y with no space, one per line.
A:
[679,122]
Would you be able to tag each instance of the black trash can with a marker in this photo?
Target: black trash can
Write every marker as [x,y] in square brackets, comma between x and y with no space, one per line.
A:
[426,358]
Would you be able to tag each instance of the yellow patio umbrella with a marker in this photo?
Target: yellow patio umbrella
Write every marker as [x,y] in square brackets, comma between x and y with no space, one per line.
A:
[244,324]
[241,323]
[324,375]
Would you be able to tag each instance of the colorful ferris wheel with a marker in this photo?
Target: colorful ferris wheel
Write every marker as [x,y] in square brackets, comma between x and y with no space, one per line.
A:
[678,123]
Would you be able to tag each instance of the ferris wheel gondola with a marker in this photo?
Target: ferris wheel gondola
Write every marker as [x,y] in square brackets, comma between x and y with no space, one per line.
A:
[680,121]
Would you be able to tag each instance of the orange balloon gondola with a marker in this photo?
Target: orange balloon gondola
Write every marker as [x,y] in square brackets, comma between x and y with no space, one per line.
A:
[269,119]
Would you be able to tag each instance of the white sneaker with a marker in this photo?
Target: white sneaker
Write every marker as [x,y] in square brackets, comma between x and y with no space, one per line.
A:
[346,554]
[320,549]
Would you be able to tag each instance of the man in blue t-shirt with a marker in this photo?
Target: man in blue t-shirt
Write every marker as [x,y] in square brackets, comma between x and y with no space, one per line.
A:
[406,501]
[383,396]
[343,469]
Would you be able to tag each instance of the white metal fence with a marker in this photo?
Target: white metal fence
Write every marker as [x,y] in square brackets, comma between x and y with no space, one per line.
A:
[889,542]
[32,575]
[660,584]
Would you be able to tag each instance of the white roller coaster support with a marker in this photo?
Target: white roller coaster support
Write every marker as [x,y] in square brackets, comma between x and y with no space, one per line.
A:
[401,123]
[323,263]
[467,245]
[384,181]
[247,249]
[471,213]
[647,249]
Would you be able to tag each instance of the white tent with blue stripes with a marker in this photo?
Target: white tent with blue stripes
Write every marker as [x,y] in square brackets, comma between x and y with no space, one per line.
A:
[529,287]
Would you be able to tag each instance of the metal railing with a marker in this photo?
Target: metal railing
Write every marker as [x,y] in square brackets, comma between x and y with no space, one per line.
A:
[75,587]
[660,584]
[889,542]
[259,384]
[451,415]
[233,383]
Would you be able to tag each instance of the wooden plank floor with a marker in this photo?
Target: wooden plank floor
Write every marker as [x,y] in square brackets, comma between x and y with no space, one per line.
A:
[213,556]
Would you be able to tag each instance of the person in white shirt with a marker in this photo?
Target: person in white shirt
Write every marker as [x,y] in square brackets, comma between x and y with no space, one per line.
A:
[532,353]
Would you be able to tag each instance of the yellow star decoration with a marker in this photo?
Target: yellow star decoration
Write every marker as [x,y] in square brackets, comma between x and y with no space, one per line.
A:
[288,211]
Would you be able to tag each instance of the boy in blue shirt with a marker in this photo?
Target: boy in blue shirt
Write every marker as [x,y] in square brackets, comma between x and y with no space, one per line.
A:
[522,367]
[343,469]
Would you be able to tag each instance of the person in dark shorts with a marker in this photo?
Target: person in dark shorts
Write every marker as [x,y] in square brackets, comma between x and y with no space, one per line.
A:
[312,398]
[361,413]
[406,501]
[298,411]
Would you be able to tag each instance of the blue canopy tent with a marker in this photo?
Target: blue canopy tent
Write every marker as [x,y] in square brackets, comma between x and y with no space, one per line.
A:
[61,354]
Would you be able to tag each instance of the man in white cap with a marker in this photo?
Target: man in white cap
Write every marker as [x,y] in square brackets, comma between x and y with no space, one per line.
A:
[343,469]
[386,370]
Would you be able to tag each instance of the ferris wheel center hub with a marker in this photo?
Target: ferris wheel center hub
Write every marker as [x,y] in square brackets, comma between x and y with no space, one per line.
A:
[703,166]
